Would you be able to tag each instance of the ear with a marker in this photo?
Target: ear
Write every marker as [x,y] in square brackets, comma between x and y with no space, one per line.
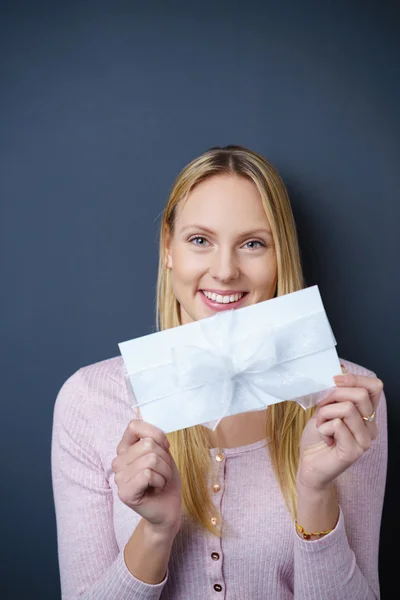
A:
[167,251]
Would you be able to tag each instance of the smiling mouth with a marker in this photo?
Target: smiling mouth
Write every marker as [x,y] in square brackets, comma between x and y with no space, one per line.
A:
[223,298]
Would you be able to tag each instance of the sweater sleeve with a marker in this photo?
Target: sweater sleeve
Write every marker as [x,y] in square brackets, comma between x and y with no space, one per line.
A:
[91,565]
[344,563]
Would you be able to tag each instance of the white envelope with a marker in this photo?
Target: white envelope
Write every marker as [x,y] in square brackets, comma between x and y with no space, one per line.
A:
[235,361]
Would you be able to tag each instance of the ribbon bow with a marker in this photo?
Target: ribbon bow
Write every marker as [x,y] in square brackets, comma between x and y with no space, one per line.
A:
[228,375]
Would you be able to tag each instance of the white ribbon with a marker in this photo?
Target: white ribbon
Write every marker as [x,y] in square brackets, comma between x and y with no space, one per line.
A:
[238,373]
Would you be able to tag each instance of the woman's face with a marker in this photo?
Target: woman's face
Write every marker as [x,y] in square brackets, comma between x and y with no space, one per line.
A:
[221,254]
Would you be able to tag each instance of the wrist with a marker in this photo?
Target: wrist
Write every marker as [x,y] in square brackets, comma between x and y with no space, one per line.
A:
[307,482]
[317,509]
[312,491]
[160,533]
[147,552]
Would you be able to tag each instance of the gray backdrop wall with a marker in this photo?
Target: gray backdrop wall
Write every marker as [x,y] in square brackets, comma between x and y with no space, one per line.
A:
[101,105]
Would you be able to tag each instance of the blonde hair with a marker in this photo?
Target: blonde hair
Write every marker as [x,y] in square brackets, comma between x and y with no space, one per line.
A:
[286,420]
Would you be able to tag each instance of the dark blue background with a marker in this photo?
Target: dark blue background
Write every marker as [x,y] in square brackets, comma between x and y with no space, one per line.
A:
[102,103]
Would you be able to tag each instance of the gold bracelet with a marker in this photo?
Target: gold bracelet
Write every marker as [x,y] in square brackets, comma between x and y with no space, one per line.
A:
[306,535]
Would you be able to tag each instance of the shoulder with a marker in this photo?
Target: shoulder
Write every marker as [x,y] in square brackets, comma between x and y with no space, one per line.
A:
[94,393]
[104,376]
[101,378]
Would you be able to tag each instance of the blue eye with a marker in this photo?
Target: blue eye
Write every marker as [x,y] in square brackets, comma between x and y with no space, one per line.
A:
[198,237]
[260,244]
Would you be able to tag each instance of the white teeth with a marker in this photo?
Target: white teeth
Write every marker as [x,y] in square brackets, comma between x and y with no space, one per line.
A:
[223,299]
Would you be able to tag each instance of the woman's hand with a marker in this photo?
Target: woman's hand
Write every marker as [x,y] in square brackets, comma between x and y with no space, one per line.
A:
[336,436]
[147,477]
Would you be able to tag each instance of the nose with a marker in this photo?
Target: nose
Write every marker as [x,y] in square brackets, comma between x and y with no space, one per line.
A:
[224,265]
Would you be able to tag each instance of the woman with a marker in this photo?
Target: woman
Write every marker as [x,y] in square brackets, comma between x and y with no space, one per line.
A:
[282,503]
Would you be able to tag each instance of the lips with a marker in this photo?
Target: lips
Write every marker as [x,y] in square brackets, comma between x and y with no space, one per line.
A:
[220,306]
[223,298]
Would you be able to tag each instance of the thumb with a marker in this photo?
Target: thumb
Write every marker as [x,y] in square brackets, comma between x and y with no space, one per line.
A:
[326,432]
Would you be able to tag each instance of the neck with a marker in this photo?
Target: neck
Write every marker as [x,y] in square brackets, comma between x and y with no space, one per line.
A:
[239,430]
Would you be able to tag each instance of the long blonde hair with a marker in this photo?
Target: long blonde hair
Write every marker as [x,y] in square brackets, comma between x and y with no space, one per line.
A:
[286,420]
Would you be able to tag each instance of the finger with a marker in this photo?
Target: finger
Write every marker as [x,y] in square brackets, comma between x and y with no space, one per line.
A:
[142,447]
[373,385]
[345,445]
[358,396]
[352,418]
[150,461]
[155,480]
[132,493]
[140,429]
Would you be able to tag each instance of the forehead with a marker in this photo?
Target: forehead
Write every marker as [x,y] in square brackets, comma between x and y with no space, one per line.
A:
[222,200]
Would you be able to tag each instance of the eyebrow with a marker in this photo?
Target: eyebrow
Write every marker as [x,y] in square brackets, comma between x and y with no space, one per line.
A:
[244,234]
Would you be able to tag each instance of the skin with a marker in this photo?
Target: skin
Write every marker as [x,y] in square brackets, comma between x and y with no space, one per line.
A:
[238,255]
[228,259]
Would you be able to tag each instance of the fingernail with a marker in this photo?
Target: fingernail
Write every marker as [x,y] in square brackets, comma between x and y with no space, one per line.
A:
[340,379]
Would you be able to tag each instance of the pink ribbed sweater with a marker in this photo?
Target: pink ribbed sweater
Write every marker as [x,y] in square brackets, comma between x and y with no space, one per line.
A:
[263,557]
